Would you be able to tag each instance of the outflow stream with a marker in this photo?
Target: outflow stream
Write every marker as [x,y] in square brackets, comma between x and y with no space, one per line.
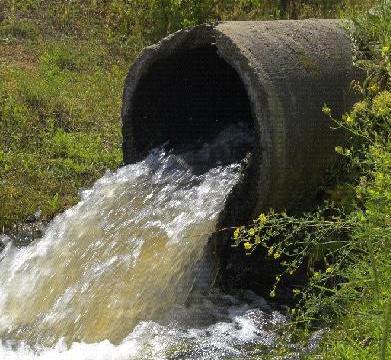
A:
[124,274]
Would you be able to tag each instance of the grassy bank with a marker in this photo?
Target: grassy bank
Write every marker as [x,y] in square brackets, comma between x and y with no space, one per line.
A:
[59,119]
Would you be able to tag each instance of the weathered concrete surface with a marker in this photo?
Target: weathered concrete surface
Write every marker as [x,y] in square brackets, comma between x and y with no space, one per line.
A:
[289,69]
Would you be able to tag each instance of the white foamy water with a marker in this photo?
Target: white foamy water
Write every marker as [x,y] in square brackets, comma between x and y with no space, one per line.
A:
[222,327]
[117,276]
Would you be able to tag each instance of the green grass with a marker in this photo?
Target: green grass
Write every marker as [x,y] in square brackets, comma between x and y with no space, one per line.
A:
[59,123]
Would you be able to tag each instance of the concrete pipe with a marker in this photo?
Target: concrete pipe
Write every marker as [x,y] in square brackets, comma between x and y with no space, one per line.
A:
[276,75]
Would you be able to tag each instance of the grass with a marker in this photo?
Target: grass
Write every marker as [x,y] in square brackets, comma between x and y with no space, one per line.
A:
[59,122]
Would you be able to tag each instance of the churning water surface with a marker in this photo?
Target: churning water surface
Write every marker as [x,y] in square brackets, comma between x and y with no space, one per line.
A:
[124,274]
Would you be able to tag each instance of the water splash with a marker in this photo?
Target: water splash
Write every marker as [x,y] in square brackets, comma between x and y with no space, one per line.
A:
[112,276]
[211,327]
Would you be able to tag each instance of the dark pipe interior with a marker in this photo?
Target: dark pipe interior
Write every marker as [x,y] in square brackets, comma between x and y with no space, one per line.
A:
[189,96]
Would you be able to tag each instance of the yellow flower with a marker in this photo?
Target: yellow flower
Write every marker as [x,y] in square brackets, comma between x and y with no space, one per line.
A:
[373,88]
[339,149]
[251,232]
[326,110]
[247,245]
[277,255]
[236,233]
[385,50]
[329,270]
[360,106]
[262,218]
[349,120]
[317,275]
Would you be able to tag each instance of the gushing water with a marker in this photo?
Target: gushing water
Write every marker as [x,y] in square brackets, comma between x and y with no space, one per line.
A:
[113,275]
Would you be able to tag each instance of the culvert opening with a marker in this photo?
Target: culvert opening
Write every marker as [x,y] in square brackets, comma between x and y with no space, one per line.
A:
[186,98]
[181,91]
[189,98]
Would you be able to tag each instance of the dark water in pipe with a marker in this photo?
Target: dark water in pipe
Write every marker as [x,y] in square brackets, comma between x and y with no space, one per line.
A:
[124,274]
